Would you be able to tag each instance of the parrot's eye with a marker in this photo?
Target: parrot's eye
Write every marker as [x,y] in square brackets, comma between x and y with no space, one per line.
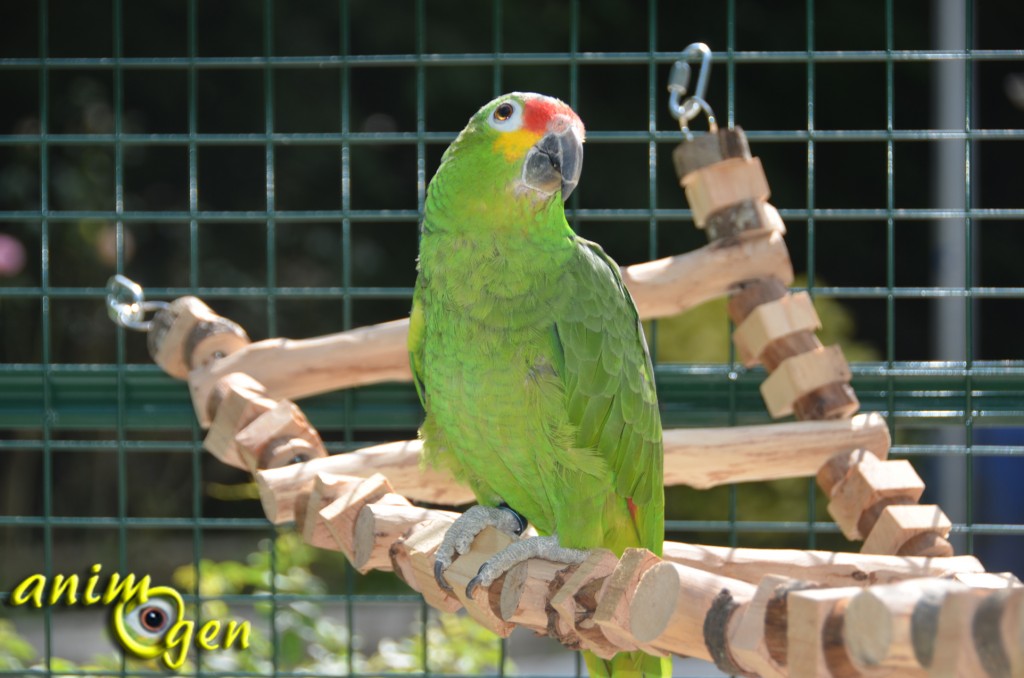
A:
[507,116]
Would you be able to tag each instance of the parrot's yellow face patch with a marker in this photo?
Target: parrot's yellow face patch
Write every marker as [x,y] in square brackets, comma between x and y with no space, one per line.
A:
[514,145]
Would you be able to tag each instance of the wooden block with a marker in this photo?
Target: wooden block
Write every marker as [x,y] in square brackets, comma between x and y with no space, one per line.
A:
[412,558]
[326,489]
[749,640]
[899,523]
[202,385]
[466,566]
[799,375]
[285,421]
[880,624]
[285,452]
[1011,628]
[188,334]
[722,184]
[744,219]
[338,517]
[773,320]
[951,652]
[754,292]
[831,401]
[236,402]
[997,632]
[837,467]
[301,510]
[525,591]
[686,611]
[706,149]
[381,524]
[866,484]
[575,601]
[613,611]
[211,341]
[810,653]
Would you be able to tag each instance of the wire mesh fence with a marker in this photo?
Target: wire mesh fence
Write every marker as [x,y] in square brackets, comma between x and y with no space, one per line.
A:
[272,158]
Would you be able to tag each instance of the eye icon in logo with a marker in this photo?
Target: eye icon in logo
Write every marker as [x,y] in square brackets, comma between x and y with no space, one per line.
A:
[142,627]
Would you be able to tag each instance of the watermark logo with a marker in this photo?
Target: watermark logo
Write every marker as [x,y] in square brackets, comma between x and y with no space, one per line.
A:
[147,621]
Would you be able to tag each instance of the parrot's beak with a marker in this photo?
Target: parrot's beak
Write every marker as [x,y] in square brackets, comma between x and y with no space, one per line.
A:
[555,162]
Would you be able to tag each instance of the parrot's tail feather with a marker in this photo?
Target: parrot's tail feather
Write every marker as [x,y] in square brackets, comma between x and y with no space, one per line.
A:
[628,665]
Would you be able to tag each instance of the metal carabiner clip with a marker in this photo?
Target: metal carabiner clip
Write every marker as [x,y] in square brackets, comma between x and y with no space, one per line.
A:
[685,110]
[127,305]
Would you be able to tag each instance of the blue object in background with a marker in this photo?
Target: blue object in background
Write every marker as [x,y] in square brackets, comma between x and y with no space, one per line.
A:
[998,499]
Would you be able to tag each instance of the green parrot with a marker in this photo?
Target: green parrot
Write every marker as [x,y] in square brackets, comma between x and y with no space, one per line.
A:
[529,357]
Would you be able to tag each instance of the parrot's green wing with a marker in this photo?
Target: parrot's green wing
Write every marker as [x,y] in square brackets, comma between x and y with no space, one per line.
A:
[609,387]
[417,325]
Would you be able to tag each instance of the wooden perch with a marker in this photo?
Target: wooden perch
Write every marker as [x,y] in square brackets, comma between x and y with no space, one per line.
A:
[712,602]
[699,458]
[709,457]
[294,369]
[919,626]
[669,286]
[297,369]
[399,462]
[824,567]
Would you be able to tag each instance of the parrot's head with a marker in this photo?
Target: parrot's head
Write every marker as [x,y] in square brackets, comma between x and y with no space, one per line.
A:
[524,145]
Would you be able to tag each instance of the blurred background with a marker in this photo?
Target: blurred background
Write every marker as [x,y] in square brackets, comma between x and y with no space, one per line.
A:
[272,158]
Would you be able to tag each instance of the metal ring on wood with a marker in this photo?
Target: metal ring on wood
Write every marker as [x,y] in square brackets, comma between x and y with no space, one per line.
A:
[127,305]
[685,110]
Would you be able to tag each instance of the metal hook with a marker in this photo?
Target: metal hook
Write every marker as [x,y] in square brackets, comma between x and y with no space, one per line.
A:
[679,82]
[127,305]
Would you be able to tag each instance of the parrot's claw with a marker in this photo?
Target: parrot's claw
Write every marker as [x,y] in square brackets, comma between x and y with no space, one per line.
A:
[439,568]
[501,562]
[460,536]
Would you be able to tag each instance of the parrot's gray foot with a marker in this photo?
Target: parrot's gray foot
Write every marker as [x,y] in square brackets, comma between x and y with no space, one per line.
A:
[464,530]
[501,562]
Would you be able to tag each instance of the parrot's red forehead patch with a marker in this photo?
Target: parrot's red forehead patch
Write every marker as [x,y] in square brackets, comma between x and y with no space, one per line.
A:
[538,111]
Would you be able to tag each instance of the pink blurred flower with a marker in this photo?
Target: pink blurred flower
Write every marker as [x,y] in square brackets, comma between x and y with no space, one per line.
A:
[12,256]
